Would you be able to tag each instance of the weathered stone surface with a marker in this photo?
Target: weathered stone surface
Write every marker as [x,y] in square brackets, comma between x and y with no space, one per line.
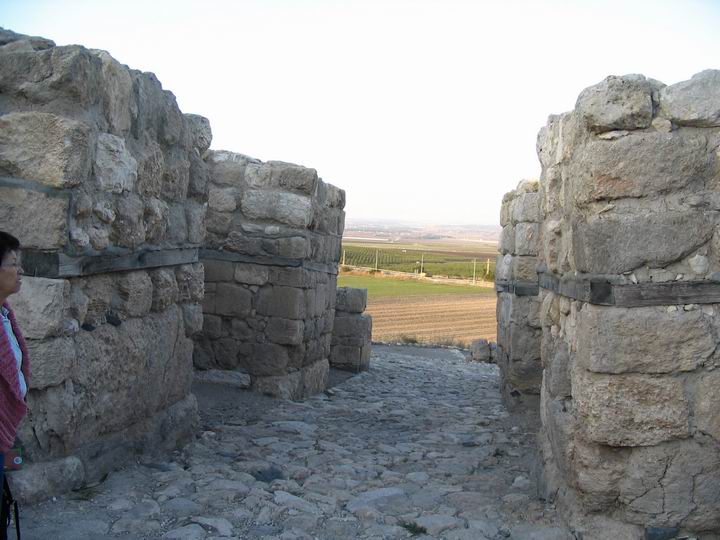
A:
[642,340]
[200,132]
[190,282]
[707,404]
[351,299]
[526,208]
[233,300]
[356,325]
[218,270]
[53,361]
[527,239]
[134,294]
[38,220]
[286,302]
[129,226]
[631,409]
[222,199]
[283,207]
[251,274]
[115,169]
[617,103]
[695,102]
[164,289]
[524,268]
[284,331]
[40,306]
[614,244]
[507,240]
[44,147]
[266,359]
[640,164]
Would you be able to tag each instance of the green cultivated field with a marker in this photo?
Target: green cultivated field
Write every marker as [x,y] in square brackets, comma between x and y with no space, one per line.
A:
[436,260]
[384,287]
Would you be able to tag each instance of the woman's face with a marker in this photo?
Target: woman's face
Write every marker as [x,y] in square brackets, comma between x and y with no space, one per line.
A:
[10,272]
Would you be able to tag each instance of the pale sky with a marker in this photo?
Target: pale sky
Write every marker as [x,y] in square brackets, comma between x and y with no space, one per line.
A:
[424,110]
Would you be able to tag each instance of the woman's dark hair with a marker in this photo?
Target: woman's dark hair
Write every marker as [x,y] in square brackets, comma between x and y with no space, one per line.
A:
[7,243]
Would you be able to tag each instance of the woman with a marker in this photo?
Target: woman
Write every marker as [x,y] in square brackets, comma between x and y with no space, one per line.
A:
[14,361]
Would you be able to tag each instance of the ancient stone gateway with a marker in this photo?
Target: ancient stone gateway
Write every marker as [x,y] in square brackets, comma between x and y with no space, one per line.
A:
[629,292]
[107,184]
[102,180]
[271,255]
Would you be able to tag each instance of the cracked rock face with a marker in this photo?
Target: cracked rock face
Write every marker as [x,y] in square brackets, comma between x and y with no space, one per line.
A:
[627,198]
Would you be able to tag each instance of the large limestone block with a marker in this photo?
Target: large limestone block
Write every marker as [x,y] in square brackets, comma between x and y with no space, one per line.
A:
[115,168]
[265,359]
[642,340]
[507,240]
[288,208]
[640,164]
[353,325]
[134,294]
[37,219]
[695,102]
[291,176]
[526,208]
[200,132]
[527,238]
[44,147]
[233,300]
[118,97]
[40,306]
[617,103]
[613,244]
[506,208]
[285,302]
[630,409]
[351,299]
[504,267]
[707,404]
[673,483]
[124,374]
[285,331]
[524,268]
[227,168]
[53,361]
[222,199]
[251,274]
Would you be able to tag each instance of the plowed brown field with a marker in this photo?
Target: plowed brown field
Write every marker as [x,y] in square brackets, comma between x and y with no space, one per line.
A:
[443,318]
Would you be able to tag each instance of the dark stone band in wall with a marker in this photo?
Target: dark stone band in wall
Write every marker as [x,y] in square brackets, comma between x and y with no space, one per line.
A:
[601,292]
[53,264]
[518,287]
[217,255]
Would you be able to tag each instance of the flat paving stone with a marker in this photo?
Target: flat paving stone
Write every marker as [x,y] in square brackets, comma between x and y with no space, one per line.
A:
[419,446]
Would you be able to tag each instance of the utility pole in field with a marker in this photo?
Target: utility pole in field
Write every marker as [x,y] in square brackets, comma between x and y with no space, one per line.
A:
[377,252]
[422,262]
[474,267]
[343,263]
[487,268]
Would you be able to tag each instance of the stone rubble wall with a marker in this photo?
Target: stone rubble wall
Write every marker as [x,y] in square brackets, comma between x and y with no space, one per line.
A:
[630,308]
[102,180]
[271,254]
[519,333]
[351,343]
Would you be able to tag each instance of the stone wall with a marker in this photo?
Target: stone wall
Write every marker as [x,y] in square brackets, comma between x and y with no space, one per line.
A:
[630,308]
[352,333]
[102,180]
[519,333]
[271,255]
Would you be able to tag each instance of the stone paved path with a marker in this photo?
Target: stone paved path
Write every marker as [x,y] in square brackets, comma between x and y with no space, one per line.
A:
[419,447]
